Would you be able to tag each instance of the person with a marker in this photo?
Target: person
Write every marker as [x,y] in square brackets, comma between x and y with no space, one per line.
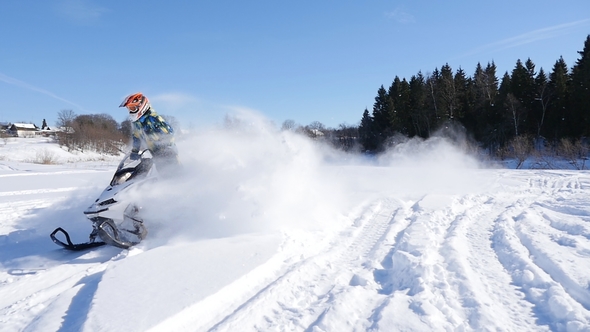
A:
[150,131]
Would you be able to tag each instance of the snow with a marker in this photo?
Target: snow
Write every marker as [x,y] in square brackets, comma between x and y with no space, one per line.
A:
[268,231]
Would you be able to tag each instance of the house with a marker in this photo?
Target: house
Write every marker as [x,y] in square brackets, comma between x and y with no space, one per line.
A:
[4,126]
[48,132]
[23,129]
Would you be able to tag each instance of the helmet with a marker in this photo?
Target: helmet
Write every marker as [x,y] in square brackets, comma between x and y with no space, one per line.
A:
[137,104]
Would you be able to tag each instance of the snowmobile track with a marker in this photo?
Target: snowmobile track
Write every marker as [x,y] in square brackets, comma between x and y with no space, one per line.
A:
[524,235]
[298,298]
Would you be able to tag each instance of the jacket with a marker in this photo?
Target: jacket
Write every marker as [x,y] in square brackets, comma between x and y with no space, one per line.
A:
[152,132]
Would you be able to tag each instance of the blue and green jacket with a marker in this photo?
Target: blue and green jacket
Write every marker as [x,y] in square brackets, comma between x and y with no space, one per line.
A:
[152,132]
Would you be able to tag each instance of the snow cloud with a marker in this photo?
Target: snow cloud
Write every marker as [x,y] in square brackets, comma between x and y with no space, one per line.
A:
[247,176]
[244,177]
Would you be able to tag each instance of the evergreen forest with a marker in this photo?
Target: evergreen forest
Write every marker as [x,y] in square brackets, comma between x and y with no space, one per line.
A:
[543,109]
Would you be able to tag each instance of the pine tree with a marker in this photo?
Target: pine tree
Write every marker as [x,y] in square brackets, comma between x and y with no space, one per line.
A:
[498,128]
[581,90]
[367,133]
[484,95]
[382,116]
[434,115]
[420,124]
[522,87]
[447,92]
[462,87]
[558,114]
[399,92]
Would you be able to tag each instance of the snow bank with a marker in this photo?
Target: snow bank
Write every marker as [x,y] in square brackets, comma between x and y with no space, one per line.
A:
[43,150]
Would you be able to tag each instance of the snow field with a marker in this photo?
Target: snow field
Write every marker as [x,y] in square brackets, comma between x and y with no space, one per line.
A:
[266,231]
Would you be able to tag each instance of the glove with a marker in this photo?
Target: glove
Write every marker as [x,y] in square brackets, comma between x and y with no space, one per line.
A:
[134,155]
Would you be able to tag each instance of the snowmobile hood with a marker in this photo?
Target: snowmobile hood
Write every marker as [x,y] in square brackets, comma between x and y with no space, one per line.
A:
[129,174]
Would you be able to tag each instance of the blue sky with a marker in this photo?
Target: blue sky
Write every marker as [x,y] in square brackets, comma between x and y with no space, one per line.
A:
[300,60]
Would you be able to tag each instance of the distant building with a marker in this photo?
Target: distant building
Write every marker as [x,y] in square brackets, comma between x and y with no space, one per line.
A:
[48,132]
[23,130]
[4,126]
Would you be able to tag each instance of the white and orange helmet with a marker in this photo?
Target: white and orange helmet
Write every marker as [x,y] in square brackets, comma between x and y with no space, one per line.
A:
[137,104]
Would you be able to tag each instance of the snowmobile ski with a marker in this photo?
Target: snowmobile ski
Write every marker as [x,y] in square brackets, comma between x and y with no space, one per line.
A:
[112,235]
[71,246]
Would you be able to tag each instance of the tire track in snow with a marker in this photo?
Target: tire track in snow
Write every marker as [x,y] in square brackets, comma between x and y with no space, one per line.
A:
[482,284]
[443,273]
[300,297]
[416,278]
[536,232]
[545,262]
[545,285]
[356,305]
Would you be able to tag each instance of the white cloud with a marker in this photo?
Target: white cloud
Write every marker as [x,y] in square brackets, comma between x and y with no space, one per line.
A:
[80,11]
[14,81]
[531,37]
[401,16]
[174,100]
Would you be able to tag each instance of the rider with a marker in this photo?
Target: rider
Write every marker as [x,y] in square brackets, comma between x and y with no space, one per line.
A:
[150,131]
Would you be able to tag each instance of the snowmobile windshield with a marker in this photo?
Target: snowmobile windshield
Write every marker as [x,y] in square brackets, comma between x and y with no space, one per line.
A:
[121,177]
[126,174]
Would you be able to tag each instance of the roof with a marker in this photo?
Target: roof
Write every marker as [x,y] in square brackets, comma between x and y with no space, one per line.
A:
[25,126]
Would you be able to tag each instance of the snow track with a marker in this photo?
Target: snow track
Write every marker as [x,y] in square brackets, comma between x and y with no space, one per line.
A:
[443,262]
[539,255]
[304,295]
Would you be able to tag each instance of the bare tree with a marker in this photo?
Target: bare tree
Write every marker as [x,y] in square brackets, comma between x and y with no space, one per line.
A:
[575,153]
[65,119]
[315,130]
[513,106]
[96,132]
[345,137]
[544,98]
[288,125]
[521,147]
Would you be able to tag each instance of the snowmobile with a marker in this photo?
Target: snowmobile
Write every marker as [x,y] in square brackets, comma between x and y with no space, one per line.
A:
[115,218]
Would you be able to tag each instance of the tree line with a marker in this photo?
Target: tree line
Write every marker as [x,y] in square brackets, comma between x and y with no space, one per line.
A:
[526,104]
[92,132]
